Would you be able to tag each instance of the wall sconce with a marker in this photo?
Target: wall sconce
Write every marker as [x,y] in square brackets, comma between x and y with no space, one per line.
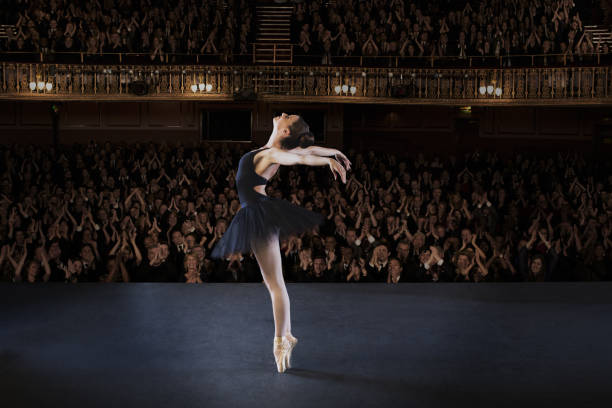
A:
[40,86]
[490,90]
[201,87]
[345,89]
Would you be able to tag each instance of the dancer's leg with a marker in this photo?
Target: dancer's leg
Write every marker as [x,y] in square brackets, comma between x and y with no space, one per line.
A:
[269,259]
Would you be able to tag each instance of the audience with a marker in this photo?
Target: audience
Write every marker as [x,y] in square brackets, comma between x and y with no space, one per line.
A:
[158,28]
[441,28]
[341,28]
[153,213]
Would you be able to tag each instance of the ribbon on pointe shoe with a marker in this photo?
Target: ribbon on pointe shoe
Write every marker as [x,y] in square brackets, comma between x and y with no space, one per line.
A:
[282,346]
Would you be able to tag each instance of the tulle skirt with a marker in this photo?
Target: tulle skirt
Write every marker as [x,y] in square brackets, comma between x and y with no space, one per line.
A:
[260,219]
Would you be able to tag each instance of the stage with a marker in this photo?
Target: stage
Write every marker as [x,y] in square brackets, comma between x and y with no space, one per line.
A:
[360,345]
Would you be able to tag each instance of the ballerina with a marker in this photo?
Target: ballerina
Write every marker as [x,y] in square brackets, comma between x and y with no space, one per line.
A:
[262,221]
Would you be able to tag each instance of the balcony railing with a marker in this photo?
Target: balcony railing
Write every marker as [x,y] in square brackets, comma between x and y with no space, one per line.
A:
[132,58]
[285,54]
[502,61]
[576,84]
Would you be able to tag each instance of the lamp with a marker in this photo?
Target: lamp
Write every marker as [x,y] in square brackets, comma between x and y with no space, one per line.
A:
[353,90]
[208,87]
[194,88]
[49,86]
[498,91]
[482,90]
[345,88]
[490,89]
[337,89]
[41,85]
[32,86]
[201,86]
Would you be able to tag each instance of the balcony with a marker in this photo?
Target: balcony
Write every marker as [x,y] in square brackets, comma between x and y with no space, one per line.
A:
[400,83]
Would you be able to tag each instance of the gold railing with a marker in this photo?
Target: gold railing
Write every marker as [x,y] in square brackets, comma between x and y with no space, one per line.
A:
[279,52]
[569,85]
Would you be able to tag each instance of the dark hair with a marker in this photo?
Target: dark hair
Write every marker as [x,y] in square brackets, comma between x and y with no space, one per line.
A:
[393,258]
[299,136]
[319,255]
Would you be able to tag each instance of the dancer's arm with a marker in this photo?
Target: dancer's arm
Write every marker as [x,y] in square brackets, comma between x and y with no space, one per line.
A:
[324,152]
[315,150]
[277,156]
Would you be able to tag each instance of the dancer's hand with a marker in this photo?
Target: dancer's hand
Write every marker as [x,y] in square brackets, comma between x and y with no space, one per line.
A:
[336,168]
[341,157]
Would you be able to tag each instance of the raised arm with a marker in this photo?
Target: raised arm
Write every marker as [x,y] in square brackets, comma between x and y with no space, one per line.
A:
[278,156]
[324,152]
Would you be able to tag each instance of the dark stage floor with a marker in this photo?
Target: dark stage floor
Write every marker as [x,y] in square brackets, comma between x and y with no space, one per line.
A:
[361,345]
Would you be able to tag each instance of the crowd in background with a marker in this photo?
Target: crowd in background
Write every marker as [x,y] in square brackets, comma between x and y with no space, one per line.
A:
[147,212]
[159,28]
[165,31]
[442,28]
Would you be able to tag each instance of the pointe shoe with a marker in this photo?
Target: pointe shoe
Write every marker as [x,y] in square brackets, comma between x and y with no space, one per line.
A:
[293,341]
[282,346]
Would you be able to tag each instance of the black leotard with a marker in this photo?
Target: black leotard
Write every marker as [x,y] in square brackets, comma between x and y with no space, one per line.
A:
[247,178]
[260,217]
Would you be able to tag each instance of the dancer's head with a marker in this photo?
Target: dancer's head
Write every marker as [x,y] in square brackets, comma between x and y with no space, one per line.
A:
[292,131]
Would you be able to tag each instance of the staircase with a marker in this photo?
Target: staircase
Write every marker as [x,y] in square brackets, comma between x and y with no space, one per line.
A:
[273,43]
[600,35]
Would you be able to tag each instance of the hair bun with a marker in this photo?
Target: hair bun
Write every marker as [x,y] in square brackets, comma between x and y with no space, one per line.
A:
[299,135]
[306,139]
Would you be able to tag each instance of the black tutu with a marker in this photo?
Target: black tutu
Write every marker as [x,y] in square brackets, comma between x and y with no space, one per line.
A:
[261,218]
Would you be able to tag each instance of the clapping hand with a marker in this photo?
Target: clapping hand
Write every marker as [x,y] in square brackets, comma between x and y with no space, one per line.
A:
[471,265]
[70,270]
[435,255]
[331,257]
